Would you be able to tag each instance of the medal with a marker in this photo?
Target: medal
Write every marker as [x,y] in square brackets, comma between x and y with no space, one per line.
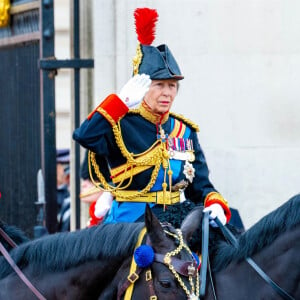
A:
[189,171]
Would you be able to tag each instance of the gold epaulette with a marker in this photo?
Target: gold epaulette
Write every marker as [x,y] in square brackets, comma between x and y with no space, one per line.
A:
[185,120]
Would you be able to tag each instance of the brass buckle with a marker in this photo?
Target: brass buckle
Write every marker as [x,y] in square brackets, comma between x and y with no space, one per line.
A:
[133,277]
[148,275]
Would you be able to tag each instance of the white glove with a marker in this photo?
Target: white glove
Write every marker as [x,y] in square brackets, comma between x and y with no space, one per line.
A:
[215,210]
[103,204]
[135,89]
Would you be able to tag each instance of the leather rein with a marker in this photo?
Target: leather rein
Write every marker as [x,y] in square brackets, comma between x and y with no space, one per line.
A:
[18,271]
[232,239]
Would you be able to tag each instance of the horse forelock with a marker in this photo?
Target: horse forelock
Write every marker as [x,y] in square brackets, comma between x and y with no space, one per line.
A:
[61,251]
[260,235]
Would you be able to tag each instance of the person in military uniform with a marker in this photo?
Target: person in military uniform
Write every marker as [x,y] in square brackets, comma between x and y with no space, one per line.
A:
[152,154]
[63,193]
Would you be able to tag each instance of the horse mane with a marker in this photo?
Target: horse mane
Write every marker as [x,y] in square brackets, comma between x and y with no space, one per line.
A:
[15,233]
[260,235]
[60,251]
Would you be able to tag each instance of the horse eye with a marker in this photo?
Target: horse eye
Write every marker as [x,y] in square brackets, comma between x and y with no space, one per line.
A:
[165,283]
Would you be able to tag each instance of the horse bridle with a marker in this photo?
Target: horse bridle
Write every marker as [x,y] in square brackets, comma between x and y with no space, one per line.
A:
[177,267]
[18,271]
[232,239]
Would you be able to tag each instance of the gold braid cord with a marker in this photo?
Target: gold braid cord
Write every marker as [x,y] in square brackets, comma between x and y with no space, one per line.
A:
[193,293]
[160,158]
[106,116]
[137,59]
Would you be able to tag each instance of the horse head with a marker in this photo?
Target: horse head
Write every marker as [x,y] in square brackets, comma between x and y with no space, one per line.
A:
[162,266]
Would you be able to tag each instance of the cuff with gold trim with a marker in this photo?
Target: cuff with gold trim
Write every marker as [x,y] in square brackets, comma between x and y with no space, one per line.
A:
[215,197]
[112,108]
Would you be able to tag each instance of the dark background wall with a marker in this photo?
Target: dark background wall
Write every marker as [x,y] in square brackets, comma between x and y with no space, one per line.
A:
[20,141]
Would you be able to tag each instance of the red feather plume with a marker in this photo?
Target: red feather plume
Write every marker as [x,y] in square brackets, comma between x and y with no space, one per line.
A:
[145,19]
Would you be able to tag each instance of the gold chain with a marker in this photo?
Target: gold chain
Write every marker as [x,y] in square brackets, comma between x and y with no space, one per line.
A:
[168,262]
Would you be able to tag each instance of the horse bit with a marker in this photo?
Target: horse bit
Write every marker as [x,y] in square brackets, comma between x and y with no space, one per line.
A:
[177,267]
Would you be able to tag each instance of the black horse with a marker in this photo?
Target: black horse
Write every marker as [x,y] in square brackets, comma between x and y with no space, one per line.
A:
[83,264]
[274,244]
[94,263]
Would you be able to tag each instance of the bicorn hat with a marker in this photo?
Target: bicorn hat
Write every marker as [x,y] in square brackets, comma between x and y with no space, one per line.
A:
[157,62]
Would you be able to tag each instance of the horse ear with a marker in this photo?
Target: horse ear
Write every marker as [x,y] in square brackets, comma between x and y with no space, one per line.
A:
[191,222]
[153,226]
